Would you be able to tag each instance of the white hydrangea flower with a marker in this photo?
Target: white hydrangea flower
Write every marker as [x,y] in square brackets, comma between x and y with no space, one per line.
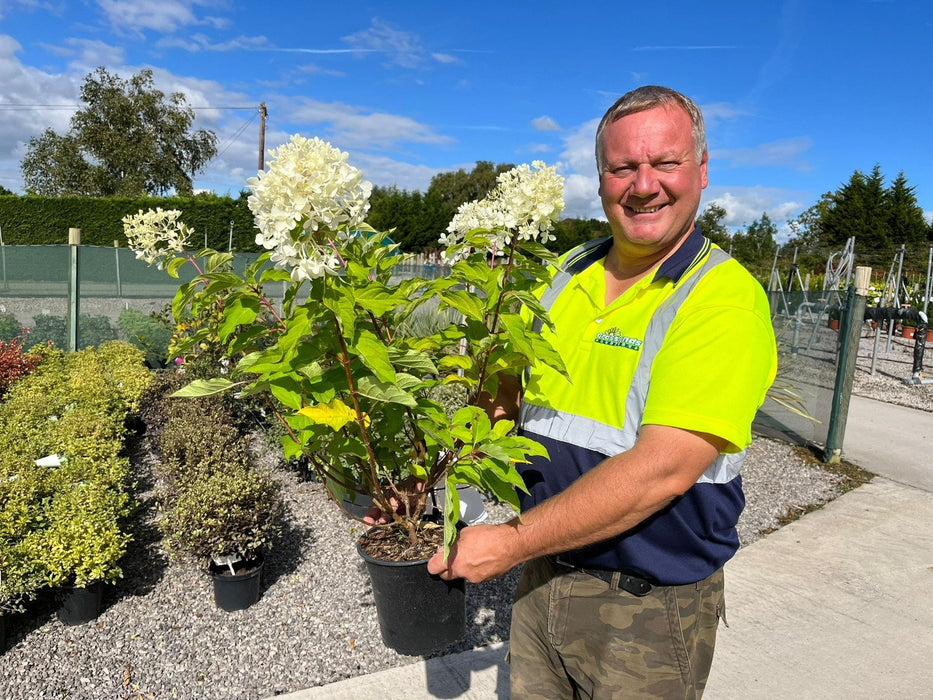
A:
[155,235]
[308,199]
[525,202]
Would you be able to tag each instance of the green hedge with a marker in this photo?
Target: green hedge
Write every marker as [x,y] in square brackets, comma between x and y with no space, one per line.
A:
[30,220]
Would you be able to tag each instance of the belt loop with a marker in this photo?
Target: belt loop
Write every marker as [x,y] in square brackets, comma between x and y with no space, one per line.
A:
[614,583]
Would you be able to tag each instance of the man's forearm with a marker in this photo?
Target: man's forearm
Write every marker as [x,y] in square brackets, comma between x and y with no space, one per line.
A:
[616,495]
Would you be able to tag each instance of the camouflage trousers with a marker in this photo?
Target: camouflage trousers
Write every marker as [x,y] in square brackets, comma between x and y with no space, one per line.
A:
[576,636]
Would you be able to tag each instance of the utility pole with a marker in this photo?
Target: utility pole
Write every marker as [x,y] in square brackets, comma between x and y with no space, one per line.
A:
[262,134]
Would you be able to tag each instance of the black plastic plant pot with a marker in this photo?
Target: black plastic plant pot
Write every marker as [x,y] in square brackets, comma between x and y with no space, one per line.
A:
[81,605]
[238,591]
[418,612]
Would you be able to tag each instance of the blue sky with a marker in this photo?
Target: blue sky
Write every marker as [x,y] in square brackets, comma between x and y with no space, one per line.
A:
[797,95]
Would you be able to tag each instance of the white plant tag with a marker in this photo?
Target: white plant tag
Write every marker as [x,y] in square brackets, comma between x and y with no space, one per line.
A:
[49,461]
[227,560]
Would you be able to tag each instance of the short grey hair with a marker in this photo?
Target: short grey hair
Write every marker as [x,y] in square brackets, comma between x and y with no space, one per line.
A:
[645,98]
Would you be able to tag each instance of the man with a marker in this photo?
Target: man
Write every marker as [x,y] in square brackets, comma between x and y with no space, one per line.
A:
[670,347]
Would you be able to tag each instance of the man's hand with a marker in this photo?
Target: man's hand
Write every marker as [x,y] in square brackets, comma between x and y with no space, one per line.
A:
[480,553]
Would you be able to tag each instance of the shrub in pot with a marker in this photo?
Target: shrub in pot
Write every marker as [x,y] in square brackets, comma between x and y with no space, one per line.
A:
[83,545]
[348,377]
[226,519]
[218,508]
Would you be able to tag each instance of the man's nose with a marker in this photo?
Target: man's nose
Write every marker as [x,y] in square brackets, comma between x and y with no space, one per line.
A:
[646,181]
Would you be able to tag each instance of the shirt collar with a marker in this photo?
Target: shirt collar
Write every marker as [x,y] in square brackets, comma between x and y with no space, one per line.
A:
[683,258]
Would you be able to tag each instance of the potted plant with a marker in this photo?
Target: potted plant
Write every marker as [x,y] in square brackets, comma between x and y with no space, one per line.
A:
[219,509]
[356,394]
[82,546]
[227,520]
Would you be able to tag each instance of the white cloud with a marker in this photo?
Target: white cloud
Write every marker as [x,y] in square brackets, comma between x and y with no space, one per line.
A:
[445,58]
[744,205]
[578,166]
[545,123]
[133,16]
[403,48]
[579,154]
[201,42]
[351,127]
[537,148]
[716,112]
[385,171]
[581,200]
[85,55]
[785,152]
[314,69]
[25,85]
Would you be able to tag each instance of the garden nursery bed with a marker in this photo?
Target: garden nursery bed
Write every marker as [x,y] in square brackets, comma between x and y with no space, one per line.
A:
[161,636]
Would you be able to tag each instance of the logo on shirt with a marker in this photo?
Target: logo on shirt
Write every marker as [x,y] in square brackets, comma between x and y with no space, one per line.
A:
[615,338]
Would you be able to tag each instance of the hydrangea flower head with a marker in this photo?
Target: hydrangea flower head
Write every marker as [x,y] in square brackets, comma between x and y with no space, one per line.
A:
[156,235]
[525,202]
[307,200]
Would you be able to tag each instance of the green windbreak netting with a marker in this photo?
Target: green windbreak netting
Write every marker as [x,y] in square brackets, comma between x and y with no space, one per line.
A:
[122,297]
[807,358]
[119,297]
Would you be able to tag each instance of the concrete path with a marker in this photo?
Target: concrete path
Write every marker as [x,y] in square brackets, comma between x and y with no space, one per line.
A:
[893,441]
[838,604]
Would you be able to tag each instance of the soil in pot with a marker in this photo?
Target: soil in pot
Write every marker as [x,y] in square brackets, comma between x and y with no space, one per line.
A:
[418,612]
[239,589]
[81,605]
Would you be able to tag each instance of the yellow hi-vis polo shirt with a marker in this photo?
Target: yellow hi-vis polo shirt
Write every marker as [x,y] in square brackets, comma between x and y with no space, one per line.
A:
[714,363]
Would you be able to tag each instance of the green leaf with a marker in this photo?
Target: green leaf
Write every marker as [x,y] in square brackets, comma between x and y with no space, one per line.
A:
[536,249]
[468,304]
[377,299]
[240,311]
[183,299]
[205,387]
[411,359]
[374,355]
[384,391]
[286,390]
[449,362]
[533,304]
[174,265]
[451,515]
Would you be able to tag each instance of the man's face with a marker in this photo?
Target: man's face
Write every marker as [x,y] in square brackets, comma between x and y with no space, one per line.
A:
[651,183]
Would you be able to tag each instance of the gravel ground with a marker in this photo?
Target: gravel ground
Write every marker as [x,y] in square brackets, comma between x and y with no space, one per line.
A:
[160,635]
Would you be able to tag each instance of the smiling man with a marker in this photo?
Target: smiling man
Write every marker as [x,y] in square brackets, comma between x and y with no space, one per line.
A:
[670,350]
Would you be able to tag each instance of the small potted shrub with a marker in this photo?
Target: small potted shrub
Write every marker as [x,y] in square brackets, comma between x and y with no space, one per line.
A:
[83,544]
[353,385]
[219,510]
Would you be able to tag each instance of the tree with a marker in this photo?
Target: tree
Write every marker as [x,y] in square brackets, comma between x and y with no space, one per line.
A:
[710,222]
[4,190]
[454,188]
[129,140]
[905,220]
[858,210]
[755,247]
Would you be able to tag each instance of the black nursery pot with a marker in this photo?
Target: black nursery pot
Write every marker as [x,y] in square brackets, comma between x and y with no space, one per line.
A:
[234,592]
[81,605]
[418,612]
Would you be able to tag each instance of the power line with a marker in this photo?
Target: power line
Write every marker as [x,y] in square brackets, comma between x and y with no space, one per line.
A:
[15,106]
[236,135]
